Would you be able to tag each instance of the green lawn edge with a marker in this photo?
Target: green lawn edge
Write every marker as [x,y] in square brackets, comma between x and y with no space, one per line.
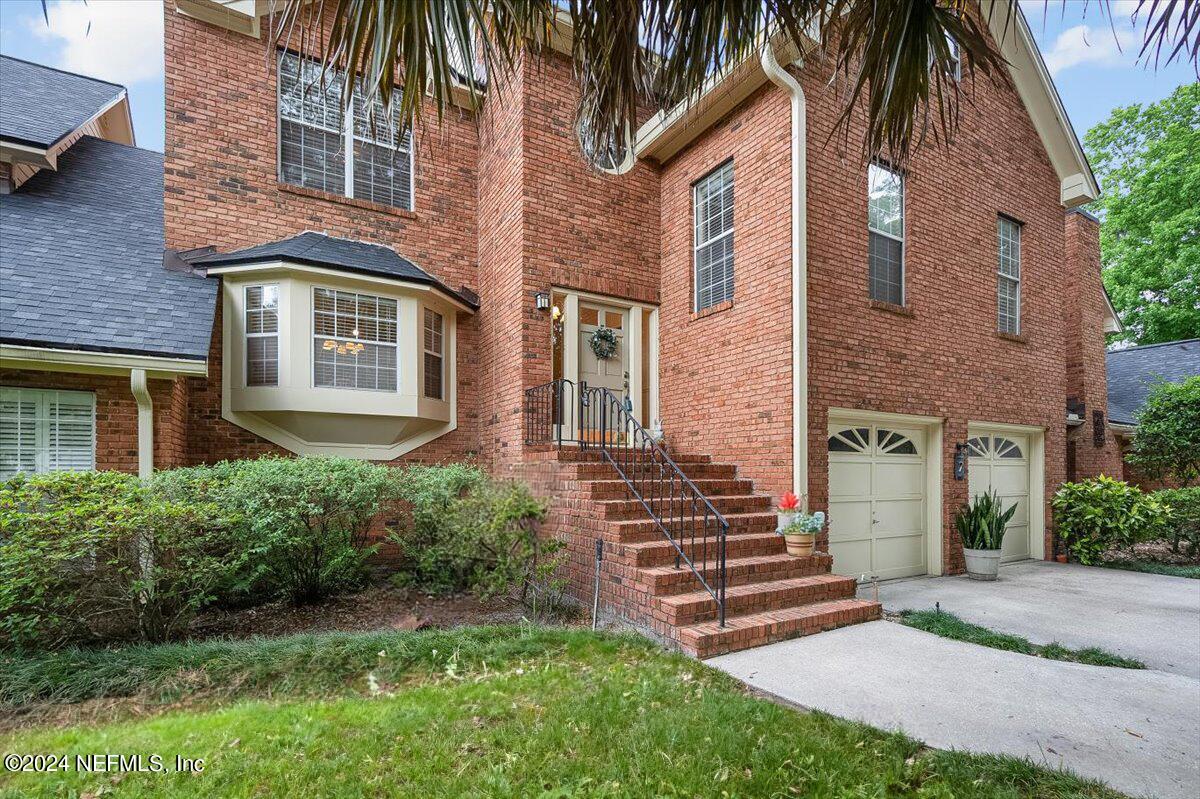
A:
[947,625]
[1149,567]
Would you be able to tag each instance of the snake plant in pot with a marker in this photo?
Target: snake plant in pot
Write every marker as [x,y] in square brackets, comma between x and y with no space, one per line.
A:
[981,524]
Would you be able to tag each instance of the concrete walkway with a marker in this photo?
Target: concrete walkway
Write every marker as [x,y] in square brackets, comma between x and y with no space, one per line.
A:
[1137,730]
[1151,617]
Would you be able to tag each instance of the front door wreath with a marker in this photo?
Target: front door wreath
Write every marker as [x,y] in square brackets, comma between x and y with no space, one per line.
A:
[603,342]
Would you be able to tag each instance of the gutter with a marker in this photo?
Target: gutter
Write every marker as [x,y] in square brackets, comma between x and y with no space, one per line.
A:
[782,78]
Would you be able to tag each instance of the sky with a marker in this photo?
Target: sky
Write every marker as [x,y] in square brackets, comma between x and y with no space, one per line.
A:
[1094,64]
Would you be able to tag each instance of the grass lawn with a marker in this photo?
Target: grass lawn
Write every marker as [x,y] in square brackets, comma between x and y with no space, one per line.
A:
[948,625]
[1150,567]
[512,711]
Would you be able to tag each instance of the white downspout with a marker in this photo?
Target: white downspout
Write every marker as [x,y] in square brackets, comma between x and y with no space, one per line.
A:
[145,424]
[782,78]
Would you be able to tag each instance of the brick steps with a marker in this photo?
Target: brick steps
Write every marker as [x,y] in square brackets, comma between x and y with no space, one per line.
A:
[657,553]
[769,594]
[706,639]
[698,606]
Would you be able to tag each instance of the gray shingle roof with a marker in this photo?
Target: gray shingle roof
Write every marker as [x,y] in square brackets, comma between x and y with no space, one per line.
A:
[319,249]
[81,260]
[1132,372]
[40,105]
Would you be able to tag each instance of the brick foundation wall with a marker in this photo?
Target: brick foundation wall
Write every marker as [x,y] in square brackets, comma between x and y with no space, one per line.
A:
[1091,445]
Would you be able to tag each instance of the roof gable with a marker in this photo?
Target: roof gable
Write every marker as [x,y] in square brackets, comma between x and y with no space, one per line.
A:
[41,106]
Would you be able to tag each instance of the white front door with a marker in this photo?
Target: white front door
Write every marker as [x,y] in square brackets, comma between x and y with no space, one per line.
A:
[877,513]
[999,462]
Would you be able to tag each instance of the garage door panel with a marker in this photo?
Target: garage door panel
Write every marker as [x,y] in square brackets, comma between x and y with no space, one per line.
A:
[901,556]
[900,479]
[1016,543]
[849,520]
[851,558]
[1022,513]
[999,463]
[900,516]
[1010,479]
[847,479]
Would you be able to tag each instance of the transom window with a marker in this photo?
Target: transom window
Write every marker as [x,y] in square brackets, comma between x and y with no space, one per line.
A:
[365,154]
[354,340]
[885,225]
[713,256]
[46,431]
[1008,276]
[262,335]
[884,442]
[994,447]
[434,354]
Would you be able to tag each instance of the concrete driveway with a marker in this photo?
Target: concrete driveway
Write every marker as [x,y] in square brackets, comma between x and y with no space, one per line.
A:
[1153,618]
[1139,731]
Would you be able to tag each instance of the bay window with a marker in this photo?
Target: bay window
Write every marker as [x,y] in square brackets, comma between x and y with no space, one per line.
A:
[434,354]
[354,340]
[262,335]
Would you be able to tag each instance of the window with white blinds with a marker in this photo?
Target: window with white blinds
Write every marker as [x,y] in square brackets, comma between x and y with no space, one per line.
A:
[885,230]
[262,335]
[434,354]
[1008,276]
[46,431]
[365,153]
[354,340]
[713,255]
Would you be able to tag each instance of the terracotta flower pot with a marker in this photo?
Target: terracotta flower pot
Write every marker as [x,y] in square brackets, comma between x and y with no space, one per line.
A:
[800,544]
[1061,558]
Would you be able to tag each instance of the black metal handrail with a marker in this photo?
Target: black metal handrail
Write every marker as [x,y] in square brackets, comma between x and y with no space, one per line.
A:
[595,418]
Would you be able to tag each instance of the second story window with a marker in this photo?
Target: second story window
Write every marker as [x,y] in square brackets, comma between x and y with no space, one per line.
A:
[262,335]
[363,153]
[885,225]
[434,354]
[1008,276]
[354,340]
[713,255]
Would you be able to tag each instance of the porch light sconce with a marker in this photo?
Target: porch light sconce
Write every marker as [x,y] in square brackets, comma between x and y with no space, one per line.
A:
[960,461]
[541,301]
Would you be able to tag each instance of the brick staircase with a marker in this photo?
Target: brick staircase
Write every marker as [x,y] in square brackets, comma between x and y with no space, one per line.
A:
[770,595]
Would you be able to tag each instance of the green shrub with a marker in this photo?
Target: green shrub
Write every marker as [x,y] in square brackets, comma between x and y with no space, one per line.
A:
[1166,443]
[1093,516]
[469,532]
[303,522]
[1185,516]
[91,555]
[982,521]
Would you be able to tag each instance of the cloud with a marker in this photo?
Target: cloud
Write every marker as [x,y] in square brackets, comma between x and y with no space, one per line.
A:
[114,40]
[1094,45]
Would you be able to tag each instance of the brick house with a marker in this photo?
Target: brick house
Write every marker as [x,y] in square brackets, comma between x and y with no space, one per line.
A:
[787,317]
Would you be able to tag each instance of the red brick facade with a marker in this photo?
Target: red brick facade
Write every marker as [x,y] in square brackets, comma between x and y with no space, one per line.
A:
[505,206]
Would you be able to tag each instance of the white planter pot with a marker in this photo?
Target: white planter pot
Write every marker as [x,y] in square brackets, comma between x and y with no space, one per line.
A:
[982,564]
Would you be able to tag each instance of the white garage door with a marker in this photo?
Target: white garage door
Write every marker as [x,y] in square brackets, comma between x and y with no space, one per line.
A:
[877,500]
[999,462]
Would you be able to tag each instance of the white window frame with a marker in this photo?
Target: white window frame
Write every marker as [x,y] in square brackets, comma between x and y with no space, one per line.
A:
[247,335]
[1002,276]
[348,138]
[42,398]
[698,245]
[902,238]
[439,354]
[312,320]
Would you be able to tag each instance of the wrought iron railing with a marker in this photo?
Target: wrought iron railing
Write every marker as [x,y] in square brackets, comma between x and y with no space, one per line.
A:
[594,418]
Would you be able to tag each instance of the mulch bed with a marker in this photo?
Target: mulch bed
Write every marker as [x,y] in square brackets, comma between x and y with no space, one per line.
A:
[1158,551]
[378,608]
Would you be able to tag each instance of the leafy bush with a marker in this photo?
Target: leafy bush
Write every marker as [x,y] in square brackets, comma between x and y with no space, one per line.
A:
[86,555]
[982,521]
[1167,441]
[302,522]
[1093,516]
[469,532]
[1184,504]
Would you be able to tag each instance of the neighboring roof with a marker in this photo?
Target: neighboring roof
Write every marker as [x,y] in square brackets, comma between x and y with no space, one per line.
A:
[1133,372]
[330,252]
[40,106]
[81,260]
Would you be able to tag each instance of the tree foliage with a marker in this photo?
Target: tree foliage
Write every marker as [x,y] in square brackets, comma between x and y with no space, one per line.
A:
[1148,161]
[1167,441]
